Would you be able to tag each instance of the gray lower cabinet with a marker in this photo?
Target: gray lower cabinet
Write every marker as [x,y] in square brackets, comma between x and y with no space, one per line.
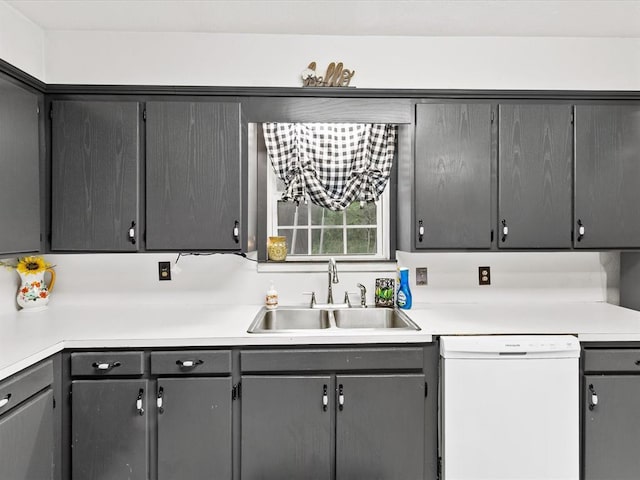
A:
[27,440]
[452,176]
[19,170]
[286,427]
[607,175]
[110,429]
[289,423]
[380,427]
[611,427]
[535,163]
[194,428]
[193,176]
[94,176]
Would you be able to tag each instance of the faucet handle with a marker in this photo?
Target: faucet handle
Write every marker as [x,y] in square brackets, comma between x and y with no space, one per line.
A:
[313,298]
[363,295]
[347,300]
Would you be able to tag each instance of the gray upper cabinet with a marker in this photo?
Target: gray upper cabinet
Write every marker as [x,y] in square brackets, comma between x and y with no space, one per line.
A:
[193,176]
[452,176]
[194,428]
[535,176]
[380,427]
[19,170]
[286,427]
[94,176]
[607,175]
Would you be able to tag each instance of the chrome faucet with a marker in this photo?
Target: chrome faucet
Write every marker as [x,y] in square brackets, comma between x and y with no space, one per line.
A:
[363,296]
[333,278]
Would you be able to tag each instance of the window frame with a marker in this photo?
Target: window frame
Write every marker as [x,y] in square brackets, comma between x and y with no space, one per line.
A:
[383,208]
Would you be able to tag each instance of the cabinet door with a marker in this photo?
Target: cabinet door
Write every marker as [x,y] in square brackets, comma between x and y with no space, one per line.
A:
[380,427]
[194,428]
[286,428]
[607,176]
[535,176]
[109,432]
[19,170]
[26,440]
[193,175]
[453,176]
[612,427]
[94,175]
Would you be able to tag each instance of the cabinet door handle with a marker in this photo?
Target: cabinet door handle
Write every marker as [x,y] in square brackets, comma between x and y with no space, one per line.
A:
[340,397]
[325,398]
[189,363]
[505,230]
[420,231]
[593,401]
[5,400]
[236,231]
[580,230]
[132,232]
[159,400]
[105,365]
[139,406]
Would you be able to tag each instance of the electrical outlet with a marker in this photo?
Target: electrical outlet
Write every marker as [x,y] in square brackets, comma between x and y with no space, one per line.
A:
[484,275]
[164,270]
[421,275]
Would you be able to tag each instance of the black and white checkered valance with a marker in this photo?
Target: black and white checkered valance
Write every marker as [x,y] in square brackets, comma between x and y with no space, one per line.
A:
[334,164]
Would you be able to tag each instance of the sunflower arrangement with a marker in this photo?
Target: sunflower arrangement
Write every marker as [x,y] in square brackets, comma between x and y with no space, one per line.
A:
[28,265]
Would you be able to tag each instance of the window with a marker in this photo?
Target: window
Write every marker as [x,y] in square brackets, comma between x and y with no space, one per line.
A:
[327,188]
[317,233]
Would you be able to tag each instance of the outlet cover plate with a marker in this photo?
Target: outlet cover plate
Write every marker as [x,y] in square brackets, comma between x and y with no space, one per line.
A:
[484,275]
[421,275]
[164,270]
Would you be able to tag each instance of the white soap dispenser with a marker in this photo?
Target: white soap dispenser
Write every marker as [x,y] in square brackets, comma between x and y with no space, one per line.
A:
[272,298]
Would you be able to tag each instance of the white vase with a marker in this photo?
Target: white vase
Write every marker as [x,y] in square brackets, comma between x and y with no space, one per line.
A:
[33,294]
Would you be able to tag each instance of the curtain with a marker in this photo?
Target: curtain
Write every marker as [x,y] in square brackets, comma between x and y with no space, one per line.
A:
[334,164]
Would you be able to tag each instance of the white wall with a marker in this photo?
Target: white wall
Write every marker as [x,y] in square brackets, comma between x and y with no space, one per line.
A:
[380,62]
[21,42]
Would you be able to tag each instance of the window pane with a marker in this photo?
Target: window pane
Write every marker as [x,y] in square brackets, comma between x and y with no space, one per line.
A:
[327,241]
[330,217]
[361,240]
[287,214]
[362,216]
[297,241]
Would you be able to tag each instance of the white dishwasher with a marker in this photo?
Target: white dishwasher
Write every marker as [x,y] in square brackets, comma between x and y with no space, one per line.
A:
[509,407]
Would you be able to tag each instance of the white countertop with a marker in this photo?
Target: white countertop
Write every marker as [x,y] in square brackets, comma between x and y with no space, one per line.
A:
[28,337]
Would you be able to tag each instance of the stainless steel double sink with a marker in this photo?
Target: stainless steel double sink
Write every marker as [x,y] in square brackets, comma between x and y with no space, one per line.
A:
[299,319]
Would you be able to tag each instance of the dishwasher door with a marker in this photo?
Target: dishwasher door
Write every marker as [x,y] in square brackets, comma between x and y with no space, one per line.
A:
[509,408]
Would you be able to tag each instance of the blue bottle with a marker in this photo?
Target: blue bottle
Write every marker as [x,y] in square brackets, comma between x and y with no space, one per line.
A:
[404,293]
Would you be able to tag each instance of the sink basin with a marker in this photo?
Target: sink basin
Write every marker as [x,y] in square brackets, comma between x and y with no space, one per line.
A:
[289,319]
[378,318]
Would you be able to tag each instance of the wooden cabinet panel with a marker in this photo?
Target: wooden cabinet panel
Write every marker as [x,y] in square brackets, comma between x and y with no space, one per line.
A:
[286,431]
[194,429]
[611,428]
[27,440]
[607,171]
[19,170]
[110,438]
[535,176]
[453,176]
[380,427]
[95,161]
[193,176]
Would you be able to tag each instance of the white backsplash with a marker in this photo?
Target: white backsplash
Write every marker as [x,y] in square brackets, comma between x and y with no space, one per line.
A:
[95,279]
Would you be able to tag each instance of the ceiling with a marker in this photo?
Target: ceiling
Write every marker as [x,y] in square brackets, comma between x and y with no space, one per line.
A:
[565,18]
